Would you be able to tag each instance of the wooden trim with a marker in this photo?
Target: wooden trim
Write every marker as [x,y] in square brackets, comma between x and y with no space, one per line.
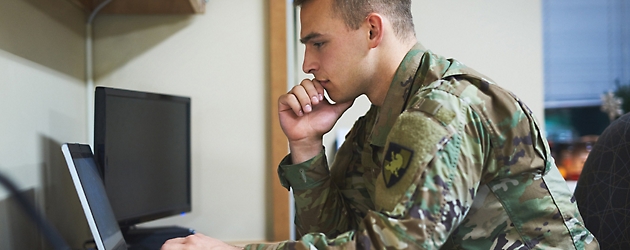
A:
[277,87]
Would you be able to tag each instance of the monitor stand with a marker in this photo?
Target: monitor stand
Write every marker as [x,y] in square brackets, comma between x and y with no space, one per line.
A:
[153,237]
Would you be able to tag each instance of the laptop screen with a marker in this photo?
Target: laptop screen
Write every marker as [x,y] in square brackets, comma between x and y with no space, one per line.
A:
[91,191]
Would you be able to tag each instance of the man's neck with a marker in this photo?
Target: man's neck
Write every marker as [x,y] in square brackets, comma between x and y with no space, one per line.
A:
[386,71]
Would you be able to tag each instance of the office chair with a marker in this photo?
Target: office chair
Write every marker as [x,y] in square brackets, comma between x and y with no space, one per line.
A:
[603,189]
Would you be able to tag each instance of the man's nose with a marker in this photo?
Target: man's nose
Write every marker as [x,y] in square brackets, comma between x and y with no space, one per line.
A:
[310,65]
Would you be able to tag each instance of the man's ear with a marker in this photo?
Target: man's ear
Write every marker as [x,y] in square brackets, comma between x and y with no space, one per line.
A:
[374,21]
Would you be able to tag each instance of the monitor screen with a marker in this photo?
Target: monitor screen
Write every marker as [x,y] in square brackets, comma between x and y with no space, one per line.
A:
[142,147]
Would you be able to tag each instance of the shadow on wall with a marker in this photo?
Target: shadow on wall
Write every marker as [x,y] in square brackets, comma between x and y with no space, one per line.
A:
[57,200]
[120,38]
[48,32]
[60,200]
[17,231]
[63,12]
[52,33]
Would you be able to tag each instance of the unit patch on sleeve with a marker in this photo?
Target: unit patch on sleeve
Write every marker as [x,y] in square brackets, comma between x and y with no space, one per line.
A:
[395,163]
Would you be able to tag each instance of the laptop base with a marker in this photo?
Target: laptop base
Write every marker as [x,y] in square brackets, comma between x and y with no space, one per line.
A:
[154,237]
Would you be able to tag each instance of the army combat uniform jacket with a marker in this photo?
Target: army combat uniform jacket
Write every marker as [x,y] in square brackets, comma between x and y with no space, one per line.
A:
[450,160]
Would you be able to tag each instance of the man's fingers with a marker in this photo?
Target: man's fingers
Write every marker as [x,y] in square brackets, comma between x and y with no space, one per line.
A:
[196,241]
[313,90]
[290,101]
[302,96]
[319,89]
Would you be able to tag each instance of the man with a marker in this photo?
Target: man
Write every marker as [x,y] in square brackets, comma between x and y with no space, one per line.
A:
[443,159]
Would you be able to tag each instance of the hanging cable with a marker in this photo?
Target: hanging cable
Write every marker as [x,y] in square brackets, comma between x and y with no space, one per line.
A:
[89,69]
[97,9]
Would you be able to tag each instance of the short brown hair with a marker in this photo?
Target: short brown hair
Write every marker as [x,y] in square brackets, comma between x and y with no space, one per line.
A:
[354,12]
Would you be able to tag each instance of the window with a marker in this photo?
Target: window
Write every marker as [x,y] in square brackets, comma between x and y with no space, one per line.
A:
[586,50]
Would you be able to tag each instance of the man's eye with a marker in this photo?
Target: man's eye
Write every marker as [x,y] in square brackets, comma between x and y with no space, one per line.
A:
[317,45]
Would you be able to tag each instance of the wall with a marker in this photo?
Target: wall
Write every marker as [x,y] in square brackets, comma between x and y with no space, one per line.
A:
[500,39]
[42,105]
[219,60]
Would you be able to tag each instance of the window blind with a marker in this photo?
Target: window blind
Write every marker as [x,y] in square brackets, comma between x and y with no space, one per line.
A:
[586,50]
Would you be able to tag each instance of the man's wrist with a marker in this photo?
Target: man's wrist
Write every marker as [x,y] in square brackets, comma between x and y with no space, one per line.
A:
[305,150]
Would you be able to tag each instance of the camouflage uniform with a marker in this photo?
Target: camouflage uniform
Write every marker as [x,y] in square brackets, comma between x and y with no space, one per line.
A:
[451,160]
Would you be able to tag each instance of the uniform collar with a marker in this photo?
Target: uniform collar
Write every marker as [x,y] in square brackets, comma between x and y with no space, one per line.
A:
[419,67]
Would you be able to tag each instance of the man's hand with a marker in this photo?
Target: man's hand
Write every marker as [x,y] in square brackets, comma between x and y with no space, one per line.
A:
[305,116]
[196,242]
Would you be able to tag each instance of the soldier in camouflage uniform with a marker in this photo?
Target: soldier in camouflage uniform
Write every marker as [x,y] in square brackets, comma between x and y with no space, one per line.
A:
[444,158]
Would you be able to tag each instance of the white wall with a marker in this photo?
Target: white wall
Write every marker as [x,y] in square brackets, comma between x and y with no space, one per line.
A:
[219,60]
[500,39]
[42,104]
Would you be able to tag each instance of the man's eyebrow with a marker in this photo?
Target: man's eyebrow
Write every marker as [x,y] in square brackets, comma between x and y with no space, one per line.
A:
[310,36]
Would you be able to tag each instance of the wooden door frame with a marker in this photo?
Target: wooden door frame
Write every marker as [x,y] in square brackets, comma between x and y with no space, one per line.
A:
[278,75]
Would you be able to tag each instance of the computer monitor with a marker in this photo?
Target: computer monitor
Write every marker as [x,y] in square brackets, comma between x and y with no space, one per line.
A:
[142,147]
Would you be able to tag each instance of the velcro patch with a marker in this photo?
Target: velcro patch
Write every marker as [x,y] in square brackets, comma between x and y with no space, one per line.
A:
[435,109]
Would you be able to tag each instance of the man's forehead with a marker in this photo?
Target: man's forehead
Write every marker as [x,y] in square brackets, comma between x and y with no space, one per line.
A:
[317,4]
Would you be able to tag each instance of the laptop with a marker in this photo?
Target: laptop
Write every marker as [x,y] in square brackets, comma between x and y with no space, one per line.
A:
[91,191]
